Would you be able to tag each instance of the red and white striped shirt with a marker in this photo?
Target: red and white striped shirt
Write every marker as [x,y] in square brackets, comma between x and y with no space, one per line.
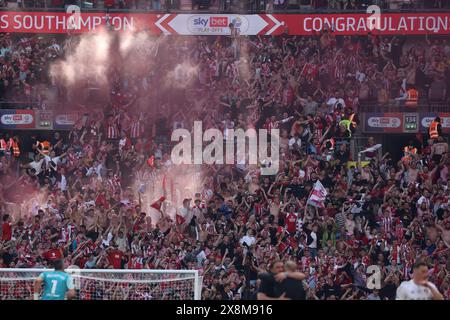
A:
[387,223]
[136,130]
[112,132]
[114,183]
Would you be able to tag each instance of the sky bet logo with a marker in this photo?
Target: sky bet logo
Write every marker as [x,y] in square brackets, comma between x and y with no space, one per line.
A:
[212,22]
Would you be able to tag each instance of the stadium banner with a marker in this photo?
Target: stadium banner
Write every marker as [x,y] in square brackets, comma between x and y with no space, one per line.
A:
[427,118]
[65,121]
[17,119]
[218,24]
[403,122]
[383,122]
[37,119]
[61,22]
[44,119]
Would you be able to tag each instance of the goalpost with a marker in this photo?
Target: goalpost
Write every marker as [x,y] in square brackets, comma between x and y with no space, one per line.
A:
[109,284]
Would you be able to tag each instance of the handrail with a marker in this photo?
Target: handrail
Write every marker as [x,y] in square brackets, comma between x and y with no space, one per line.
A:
[422,107]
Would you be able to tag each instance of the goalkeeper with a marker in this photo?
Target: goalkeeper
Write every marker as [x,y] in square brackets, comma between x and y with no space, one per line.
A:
[57,284]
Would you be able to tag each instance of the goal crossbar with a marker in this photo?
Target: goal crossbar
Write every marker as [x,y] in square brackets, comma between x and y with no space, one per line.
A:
[159,281]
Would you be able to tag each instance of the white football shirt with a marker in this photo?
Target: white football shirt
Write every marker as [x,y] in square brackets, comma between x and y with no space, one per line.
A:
[409,290]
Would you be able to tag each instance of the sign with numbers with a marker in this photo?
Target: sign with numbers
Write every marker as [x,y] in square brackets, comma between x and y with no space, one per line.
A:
[411,122]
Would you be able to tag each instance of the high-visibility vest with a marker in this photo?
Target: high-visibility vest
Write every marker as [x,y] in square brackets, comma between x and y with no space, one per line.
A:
[3,145]
[413,98]
[433,130]
[45,147]
[346,124]
[352,120]
[410,150]
[15,146]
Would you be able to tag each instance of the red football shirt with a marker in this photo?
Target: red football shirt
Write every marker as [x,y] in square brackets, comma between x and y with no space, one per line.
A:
[115,258]
[109,3]
[291,222]
[6,231]
[53,254]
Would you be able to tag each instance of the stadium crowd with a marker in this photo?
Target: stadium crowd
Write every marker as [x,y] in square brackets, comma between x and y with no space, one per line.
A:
[84,196]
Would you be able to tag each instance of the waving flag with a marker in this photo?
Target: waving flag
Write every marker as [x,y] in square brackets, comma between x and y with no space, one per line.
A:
[318,195]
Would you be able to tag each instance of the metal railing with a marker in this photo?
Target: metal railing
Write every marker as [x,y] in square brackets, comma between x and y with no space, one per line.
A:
[392,107]
[36,105]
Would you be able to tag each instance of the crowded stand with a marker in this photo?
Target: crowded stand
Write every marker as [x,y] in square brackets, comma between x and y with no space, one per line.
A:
[106,195]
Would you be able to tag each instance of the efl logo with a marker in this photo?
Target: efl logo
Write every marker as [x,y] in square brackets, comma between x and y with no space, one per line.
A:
[218,22]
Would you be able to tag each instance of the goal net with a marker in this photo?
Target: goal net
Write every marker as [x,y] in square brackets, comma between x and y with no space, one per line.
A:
[109,284]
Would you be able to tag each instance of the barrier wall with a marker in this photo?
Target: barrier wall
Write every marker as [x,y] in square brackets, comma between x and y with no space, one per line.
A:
[403,122]
[13,119]
[374,122]
[218,24]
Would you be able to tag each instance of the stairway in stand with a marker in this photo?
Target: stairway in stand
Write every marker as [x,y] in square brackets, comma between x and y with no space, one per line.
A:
[186,5]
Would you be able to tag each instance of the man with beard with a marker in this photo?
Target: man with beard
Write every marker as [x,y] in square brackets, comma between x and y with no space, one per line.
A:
[274,285]
[292,287]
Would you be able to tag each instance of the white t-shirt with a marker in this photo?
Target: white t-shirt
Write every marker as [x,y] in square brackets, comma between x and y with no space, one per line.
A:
[332,102]
[313,244]
[409,290]
[185,213]
[63,183]
[249,240]
[36,165]
[55,160]
[293,141]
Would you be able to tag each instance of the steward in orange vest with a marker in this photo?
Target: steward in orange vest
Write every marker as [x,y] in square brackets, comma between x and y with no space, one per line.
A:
[410,151]
[14,145]
[3,146]
[435,129]
[412,99]
[44,146]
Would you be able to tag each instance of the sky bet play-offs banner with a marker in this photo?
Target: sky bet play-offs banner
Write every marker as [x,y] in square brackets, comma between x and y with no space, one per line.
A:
[11,119]
[374,122]
[211,24]
[408,122]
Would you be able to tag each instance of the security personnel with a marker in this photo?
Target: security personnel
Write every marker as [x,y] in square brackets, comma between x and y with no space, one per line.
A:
[412,97]
[14,145]
[344,129]
[3,146]
[44,146]
[435,130]
[410,151]
[348,126]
